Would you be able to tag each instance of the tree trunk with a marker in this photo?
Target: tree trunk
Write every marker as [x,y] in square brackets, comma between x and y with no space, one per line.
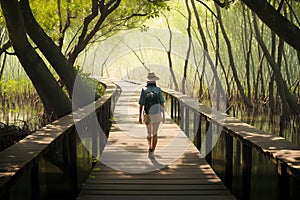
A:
[2,66]
[284,28]
[247,47]
[248,67]
[231,60]
[204,43]
[286,97]
[271,83]
[189,47]
[169,55]
[219,86]
[50,93]
[284,109]
[199,27]
[52,53]
[271,96]
[87,34]
[259,76]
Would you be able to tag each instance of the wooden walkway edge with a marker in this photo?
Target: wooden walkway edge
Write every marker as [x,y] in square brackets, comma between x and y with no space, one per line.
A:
[126,171]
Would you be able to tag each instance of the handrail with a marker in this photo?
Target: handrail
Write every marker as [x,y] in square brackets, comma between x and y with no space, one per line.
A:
[284,154]
[52,162]
[26,168]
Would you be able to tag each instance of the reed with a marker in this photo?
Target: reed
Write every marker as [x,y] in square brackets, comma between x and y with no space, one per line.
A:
[21,111]
[19,102]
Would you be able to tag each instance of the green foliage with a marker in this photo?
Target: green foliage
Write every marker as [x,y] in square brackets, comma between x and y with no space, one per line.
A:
[156,8]
[19,102]
[227,3]
[129,14]
[47,15]
[93,83]
[13,88]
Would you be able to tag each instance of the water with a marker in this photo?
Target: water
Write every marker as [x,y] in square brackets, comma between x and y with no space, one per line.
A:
[19,111]
[19,117]
[271,125]
[261,120]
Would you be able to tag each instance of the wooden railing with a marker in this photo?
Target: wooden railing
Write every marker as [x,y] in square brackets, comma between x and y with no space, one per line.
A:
[52,163]
[252,163]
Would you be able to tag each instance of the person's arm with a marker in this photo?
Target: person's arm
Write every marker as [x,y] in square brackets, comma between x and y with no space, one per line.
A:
[162,104]
[141,102]
[140,114]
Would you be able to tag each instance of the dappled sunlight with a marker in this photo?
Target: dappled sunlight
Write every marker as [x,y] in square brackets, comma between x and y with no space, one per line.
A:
[292,156]
[9,169]
[52,151]
[176,166]
[125,155]
[39,140]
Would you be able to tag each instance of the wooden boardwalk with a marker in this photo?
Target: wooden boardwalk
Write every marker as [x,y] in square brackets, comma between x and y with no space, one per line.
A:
[126,171]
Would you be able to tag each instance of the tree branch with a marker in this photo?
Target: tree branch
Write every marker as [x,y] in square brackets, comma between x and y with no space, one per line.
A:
[5,46]
[111,7]
[86,37]
[88,19]
[285,94]
[284,28]
[208,8]
[293,12]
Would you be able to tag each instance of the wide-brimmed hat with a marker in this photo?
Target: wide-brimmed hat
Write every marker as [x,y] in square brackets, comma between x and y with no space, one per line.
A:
[152,77]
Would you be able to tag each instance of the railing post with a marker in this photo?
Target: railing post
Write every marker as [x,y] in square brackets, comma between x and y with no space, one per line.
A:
[101,141]
[35,184]
[104,125]
[72,144]
[208,142]
[34,177]
[94,134]
[181,122]
[197,120]
[246,171]
[178,110]
[6,196]
[172,107]
[283,181]
[108,117]
[100,117]
[187,122]
[228,159]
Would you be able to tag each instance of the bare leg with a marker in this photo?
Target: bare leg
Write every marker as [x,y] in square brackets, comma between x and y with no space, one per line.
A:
[149,141]
[154,142]
[149,135]
[155,129]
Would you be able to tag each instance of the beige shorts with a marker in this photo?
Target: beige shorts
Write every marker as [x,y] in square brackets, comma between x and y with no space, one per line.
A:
[153,118]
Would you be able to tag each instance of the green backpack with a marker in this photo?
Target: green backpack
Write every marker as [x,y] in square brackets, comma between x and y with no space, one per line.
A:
[152,104]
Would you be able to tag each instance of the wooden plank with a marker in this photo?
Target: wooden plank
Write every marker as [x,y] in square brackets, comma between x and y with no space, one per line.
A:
[19,159]
[276,148]
[155,192]
[164,197]
[150,186]
[145,181]
[126,170]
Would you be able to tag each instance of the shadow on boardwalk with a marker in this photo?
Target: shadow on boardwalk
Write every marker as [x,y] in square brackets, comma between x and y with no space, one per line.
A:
[127,171]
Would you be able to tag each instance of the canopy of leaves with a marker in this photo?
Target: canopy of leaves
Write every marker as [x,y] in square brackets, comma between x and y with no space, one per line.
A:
[51,15]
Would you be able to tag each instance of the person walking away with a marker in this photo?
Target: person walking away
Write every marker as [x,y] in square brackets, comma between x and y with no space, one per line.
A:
[152,106]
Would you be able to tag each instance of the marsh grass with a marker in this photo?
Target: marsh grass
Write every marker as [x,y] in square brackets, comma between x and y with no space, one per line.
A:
[19,103]
[21,111]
